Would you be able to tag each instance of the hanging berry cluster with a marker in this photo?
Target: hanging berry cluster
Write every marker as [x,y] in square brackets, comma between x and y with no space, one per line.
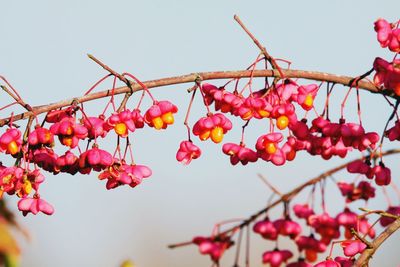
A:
[279,105]
[313,230]
[36,149]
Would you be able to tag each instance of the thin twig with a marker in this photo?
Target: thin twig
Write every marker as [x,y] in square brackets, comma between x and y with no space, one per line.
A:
[273,188]
[124,101]
[120,77]
[17,99]
[379,212]
[359,237]
[110,70]
[270,59]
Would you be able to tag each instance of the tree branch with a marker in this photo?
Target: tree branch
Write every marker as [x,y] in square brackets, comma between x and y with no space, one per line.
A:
[204,76]
[287,197]
[16,98]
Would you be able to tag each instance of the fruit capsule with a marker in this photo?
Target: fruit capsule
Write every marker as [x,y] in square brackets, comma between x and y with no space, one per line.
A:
[158,123]
[168,118]
[282,122]
[270,148]
[217,134]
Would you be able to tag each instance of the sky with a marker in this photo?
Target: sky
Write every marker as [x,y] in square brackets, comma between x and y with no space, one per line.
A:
[43,54]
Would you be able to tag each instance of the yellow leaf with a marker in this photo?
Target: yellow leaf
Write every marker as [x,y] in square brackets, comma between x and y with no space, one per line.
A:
[8,245]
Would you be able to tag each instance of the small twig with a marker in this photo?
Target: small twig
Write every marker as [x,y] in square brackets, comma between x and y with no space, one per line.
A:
[288,196]
[269,185]
[177,245]
[120,77]
[17,99]
[270,59]
[124,101]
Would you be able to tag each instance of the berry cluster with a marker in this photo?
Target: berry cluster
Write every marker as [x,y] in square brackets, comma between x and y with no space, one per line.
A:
[324,230]
[279,104]
[37,148]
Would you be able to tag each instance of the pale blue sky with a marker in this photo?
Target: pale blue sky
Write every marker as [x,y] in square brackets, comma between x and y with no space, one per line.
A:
[43,53]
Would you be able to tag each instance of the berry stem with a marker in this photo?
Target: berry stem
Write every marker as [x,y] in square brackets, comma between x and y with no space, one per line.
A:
[17,98]
[390,118]
[188,113]
[247,246]
[243,129]
[273,188]
[96,84]
[9,105]
[144,87]
[239,242]
[204,100]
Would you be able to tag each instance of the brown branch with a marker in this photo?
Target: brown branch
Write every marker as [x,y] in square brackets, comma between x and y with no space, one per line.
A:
[110,70]
[369,252]
[204,76]
[286,197]
[380,212]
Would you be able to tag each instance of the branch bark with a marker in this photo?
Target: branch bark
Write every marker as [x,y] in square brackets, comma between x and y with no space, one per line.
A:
[369,252]
[204,76]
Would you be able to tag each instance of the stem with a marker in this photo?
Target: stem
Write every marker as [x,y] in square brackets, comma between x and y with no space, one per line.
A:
[117,75]
[361,238]
[390,118]
[217,75]
[188,113]
[239,242]
[243,128]
[379,212]
[17,98]
[247,246]
[270,59]
[369,252]
[9,105]
[97,83]
[107,68]
[144,87]
[123,102]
